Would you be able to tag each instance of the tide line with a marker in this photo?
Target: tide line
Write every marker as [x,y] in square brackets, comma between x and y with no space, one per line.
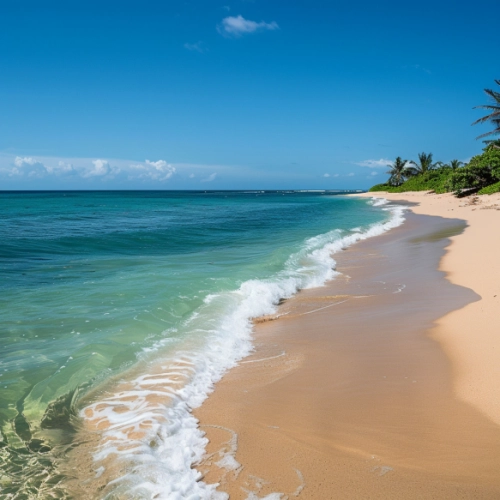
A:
[264,359]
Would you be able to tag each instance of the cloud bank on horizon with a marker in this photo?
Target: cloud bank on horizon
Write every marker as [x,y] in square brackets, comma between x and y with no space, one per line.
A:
[30,168]
[81,173]
[37,172]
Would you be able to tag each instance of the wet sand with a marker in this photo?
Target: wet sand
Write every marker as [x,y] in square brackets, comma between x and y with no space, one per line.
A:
[349,394]
[470,336]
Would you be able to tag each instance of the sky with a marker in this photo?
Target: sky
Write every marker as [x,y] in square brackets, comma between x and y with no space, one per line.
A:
[238,94]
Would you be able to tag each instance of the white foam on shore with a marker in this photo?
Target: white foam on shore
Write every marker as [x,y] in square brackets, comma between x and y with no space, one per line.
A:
[147,429]
[377,202]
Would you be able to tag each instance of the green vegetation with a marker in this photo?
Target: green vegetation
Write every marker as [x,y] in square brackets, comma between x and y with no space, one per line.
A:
[492,188]
[434,180]
[482,171]
[481,175]
[454,164]
[398,172]
[424,164]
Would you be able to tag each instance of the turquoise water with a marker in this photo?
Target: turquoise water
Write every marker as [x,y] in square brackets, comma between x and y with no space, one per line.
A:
[93,282]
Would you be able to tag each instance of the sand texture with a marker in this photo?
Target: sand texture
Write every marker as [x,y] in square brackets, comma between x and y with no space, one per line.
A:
[352,389]
[470,336]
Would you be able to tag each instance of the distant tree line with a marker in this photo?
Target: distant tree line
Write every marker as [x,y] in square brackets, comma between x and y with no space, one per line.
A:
[481,174]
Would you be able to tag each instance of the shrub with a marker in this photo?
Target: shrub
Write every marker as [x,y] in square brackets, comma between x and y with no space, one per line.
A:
[492,188]
[481,174]
[432,180]
[483,170]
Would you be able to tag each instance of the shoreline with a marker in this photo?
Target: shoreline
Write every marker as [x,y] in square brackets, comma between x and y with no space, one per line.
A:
[275,429]
[470,337]
[162,388]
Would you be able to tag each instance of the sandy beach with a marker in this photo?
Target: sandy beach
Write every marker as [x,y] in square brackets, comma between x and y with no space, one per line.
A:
[381,384]
[470,336]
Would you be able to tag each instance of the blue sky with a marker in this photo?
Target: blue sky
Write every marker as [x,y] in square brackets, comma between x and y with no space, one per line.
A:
[237,94]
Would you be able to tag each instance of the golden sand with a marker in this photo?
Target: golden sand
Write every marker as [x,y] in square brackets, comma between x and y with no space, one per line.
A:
[471,336]
[383,383]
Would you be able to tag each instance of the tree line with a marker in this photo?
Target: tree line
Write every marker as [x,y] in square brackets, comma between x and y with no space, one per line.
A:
[481,174]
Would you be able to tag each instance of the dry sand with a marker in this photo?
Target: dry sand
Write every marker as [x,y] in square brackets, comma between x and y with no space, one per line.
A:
[383,383]
[470,336]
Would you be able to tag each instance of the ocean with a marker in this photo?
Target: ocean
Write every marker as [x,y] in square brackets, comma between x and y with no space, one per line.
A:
[120,310]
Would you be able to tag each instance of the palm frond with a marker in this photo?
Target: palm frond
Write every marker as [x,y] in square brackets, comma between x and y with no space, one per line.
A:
[486,134]
[492,117]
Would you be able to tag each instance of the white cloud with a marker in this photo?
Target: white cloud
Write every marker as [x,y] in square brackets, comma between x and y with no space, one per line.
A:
[196,47]
[238,26]
[155,170]
[336,175]
[60,169]
[350,174]
[33,168]
[85,168]
[27,166]
[99,169]
[21,162]
[374,173]
[160,170]
[326,175]
[210,178]
[382,163]
[82,173]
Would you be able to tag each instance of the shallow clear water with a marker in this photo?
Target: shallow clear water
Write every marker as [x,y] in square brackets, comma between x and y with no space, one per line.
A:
[92,282]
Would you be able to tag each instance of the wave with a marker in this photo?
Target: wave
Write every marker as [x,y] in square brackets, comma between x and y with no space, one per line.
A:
[378,202]
[149,439]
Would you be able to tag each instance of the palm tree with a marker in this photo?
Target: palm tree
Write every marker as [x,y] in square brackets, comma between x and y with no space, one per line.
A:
[454,164]
[424,164]
[398,172]
[494,116]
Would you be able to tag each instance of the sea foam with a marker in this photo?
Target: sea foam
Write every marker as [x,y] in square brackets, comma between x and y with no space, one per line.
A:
[148,435]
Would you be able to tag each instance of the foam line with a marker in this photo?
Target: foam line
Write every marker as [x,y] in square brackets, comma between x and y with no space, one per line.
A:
[264,359]
[146,426]
[324,307]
